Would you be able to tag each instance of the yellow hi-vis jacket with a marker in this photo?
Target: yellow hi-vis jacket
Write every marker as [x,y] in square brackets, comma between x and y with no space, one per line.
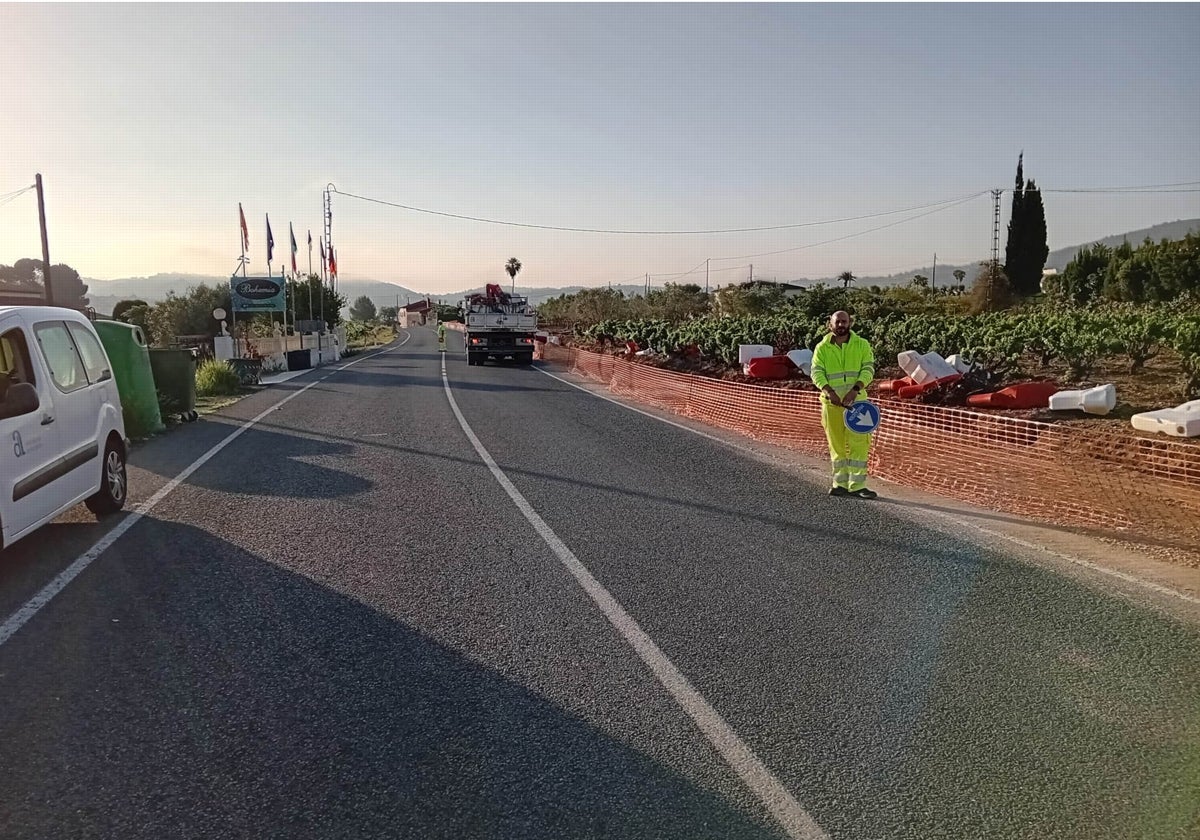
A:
[841,365]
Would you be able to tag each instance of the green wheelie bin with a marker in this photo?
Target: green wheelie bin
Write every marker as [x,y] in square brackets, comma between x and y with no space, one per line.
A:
[126,347]
[175,377]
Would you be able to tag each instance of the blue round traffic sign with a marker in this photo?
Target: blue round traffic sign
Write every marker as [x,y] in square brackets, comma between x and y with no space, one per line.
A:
[862,417]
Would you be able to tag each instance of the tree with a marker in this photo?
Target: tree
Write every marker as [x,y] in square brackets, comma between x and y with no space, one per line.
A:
[138,314]
[67,286]
[677,302]
[1083,278]
[991,291]
[124,306]
[311,288]
[387,314]
[847,279]
[513,267]
[960,277]
[920,281]
[363,309]
[187,314]
[1026,251]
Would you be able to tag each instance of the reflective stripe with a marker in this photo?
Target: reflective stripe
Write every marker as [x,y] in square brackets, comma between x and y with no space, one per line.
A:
[860,464]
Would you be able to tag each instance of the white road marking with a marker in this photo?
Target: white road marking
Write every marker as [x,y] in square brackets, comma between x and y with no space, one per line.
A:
[770,791]
[31,607]
[946,517]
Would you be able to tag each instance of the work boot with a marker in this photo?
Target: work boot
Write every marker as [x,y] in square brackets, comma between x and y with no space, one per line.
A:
[838,491]
[864,493]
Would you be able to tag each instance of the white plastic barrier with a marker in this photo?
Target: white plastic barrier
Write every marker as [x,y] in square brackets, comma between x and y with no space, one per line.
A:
[1099,400]
[927,367]
[960,363]
[1181,421]
[802,359]
[746,352]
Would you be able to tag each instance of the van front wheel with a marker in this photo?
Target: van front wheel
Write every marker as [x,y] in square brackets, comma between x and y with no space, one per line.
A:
[114,484]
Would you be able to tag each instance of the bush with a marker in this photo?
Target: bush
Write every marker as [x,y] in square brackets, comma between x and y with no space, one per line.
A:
[216,378]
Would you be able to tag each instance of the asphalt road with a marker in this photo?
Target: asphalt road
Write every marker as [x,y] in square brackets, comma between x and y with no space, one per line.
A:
[343,626]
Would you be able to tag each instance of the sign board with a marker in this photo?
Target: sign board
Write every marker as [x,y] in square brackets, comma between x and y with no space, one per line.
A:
[862,417]
[309,326]
[257,294]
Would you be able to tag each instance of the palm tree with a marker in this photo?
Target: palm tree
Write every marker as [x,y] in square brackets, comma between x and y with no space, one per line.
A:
[959,276]
[513,266]
[847,278]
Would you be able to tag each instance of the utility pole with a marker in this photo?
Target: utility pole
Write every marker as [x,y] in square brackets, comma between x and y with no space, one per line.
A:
[329,229]
[995,268]
[933,279]
[706,277]
[37,182]
[751,272]
[647,284]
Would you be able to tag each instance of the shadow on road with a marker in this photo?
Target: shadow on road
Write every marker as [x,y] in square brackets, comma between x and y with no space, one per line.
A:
[198,690]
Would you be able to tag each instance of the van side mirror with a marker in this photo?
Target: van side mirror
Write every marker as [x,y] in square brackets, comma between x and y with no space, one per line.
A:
[105,375]
[21,398]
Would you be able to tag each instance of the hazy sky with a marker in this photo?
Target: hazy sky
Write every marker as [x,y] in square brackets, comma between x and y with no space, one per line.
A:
[149,124]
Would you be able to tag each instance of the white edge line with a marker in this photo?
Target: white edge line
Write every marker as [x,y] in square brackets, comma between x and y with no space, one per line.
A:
[770,791]
[950,518]
[31,607]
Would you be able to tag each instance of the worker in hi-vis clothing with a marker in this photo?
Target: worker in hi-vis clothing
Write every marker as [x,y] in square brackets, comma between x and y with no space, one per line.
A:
[442,336]
[842,368]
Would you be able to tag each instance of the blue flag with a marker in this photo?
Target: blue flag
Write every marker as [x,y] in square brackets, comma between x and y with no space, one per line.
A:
[270,239]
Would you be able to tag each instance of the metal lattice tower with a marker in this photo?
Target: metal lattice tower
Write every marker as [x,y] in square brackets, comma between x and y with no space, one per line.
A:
[996,227]
[329,228]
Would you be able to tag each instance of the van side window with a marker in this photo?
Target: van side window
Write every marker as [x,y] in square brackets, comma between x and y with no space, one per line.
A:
[66,368]
[94,359]
[16,366]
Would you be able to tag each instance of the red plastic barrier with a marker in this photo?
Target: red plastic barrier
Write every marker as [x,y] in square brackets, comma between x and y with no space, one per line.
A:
[891,386]
[769,367]
[1021,395]
[909,392]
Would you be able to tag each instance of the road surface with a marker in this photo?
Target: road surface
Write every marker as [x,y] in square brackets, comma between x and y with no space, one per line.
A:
[493,605]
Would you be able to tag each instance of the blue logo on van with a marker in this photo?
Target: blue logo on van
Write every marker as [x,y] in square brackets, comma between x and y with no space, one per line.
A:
[18,447]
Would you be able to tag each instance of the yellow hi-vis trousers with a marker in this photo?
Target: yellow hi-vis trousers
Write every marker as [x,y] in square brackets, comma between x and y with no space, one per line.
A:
[847,450]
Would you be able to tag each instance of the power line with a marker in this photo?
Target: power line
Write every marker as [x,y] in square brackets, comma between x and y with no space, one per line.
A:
[1118,190]
[851,235]
[647,232]
[13,196]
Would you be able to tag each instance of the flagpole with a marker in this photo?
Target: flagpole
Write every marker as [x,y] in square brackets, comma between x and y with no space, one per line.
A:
[308,277]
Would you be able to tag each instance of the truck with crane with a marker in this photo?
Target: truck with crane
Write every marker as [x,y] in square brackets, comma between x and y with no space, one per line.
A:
[498,325]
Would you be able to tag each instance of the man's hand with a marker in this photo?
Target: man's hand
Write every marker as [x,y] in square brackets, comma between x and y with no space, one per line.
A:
[850,397]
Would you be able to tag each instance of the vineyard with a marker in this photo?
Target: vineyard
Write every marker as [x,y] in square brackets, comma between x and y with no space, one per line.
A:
[1071,343]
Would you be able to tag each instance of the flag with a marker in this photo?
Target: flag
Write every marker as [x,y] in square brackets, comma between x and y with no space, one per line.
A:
[270,239]
[245,230]
[321,246]
[310,243]
[292,233]
[332,262]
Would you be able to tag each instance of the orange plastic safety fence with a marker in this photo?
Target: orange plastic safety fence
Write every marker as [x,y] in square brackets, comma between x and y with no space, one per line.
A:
[1097,479]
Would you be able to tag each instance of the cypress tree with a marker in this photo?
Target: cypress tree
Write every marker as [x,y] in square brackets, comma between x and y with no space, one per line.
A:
[1026,250]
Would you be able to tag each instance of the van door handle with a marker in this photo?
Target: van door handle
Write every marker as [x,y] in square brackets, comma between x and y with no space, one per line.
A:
[47,419]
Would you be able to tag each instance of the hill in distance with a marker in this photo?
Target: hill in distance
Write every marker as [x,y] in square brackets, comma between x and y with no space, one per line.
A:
[104,294]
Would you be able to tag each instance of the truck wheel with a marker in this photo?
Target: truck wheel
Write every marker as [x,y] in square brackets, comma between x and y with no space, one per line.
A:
[524,358]
[476,358]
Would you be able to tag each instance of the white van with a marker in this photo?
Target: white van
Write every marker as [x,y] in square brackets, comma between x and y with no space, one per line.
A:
[62,436]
